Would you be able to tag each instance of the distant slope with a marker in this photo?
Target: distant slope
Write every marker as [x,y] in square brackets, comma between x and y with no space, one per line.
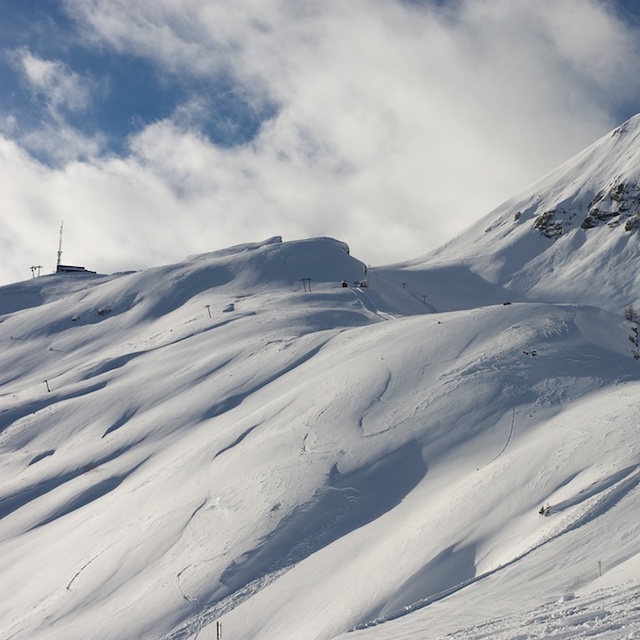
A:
[571,237]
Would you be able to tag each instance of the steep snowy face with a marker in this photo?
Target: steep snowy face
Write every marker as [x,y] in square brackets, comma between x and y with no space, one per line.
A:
[599,186]
[572,236]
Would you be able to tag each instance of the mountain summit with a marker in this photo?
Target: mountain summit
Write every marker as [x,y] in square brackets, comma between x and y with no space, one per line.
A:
[570,237]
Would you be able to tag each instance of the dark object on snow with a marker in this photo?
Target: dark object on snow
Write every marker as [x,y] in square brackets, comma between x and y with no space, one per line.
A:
[344,283]
[68,268]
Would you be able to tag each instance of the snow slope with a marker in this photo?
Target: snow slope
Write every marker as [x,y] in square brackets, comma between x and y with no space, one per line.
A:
[212,441]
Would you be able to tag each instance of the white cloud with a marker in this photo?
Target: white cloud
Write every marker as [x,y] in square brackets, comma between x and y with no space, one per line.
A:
[62,88]
[397,125]
[61,143]
[63,93]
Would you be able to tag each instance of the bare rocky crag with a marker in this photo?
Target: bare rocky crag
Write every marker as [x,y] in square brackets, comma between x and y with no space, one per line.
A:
[617,204]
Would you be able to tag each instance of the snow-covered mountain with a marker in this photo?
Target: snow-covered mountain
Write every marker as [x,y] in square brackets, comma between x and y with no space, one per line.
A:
[571,237]
[280,440]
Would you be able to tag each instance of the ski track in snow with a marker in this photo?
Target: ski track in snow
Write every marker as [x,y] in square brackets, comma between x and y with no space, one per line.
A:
[607,615]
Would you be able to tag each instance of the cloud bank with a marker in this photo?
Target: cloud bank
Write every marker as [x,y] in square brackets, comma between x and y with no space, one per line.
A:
[390,125]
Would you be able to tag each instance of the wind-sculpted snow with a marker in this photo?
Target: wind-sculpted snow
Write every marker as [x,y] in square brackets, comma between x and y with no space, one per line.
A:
[347,502]
[242,439]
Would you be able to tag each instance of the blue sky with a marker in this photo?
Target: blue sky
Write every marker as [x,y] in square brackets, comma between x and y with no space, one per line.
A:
[128,92]
[163,128]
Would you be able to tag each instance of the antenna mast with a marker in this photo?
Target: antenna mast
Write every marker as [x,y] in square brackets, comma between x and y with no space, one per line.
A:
[60,248]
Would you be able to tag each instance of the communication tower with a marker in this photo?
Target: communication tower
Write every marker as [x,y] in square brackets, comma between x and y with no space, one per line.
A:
[60,248]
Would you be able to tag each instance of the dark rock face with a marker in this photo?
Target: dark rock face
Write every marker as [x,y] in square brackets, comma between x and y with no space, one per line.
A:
[617,204]
[547,225]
